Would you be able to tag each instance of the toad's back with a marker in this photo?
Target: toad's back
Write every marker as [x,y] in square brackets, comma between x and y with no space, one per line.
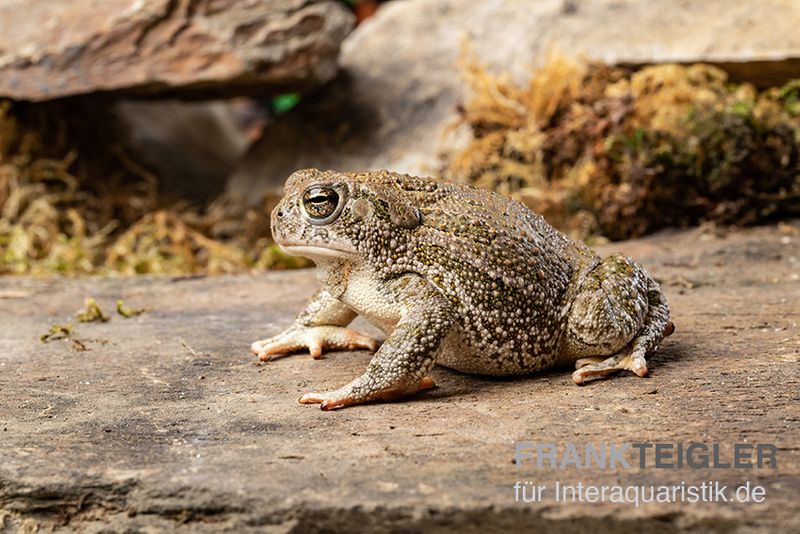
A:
[506,270]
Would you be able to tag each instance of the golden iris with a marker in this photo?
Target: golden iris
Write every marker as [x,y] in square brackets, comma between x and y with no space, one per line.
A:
[320,202]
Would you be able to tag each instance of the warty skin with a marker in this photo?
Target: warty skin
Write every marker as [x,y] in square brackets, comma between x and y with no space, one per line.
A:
[454,275]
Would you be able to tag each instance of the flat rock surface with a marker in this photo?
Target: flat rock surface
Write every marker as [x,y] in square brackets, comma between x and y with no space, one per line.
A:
[166,421]
[203,48]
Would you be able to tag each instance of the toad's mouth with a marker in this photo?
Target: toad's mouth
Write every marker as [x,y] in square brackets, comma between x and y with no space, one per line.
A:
[311,251]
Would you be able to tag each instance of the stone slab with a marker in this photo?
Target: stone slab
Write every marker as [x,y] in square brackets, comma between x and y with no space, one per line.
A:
[167,423]
[187,48]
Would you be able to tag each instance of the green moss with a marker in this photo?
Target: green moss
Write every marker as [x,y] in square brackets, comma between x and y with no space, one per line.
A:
[789,96]
[73,202]
[127,312]
[91,312]
[58,331]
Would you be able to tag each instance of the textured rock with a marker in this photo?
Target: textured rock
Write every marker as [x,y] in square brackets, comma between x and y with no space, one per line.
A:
[59,48]
[402,85]
[167,423]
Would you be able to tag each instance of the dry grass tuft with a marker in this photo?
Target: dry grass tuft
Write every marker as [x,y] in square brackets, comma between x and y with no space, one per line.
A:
[604,151]
[72,202]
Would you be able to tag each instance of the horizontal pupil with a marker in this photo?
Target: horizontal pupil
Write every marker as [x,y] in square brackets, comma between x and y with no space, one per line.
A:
[320,203]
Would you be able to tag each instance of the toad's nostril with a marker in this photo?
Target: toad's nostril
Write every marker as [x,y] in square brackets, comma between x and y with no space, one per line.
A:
[279,214]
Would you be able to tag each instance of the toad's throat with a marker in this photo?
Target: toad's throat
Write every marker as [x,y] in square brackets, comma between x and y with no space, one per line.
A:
[311,251]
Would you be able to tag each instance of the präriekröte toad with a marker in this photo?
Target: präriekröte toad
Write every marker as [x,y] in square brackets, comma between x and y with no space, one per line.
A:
[458,276]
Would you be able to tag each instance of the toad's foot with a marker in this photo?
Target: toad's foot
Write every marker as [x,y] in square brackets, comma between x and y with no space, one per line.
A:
[314,338]
[594,368]
[344,396]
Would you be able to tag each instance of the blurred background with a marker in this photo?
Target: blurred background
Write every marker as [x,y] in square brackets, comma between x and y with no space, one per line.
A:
[154,136]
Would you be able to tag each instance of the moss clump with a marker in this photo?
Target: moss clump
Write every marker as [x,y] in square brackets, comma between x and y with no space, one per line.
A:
[127,312]
[91,312]
[57,331]
[604,151]
[72,202]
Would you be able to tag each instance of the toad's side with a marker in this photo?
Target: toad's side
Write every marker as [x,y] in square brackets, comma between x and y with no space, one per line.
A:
[458,276]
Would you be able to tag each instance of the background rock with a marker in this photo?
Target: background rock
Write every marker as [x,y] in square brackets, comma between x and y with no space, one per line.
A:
[191,146]
[401,86]
[192,47]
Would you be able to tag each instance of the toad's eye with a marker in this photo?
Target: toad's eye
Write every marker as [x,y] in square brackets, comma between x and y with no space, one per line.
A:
[322,204]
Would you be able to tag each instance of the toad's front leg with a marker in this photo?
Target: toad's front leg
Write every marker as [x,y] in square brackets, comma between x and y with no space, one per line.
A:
[401,366]
[319,327]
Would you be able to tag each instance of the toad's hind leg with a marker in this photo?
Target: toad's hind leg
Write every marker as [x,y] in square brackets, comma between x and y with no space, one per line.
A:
[617,317]
[592,368]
